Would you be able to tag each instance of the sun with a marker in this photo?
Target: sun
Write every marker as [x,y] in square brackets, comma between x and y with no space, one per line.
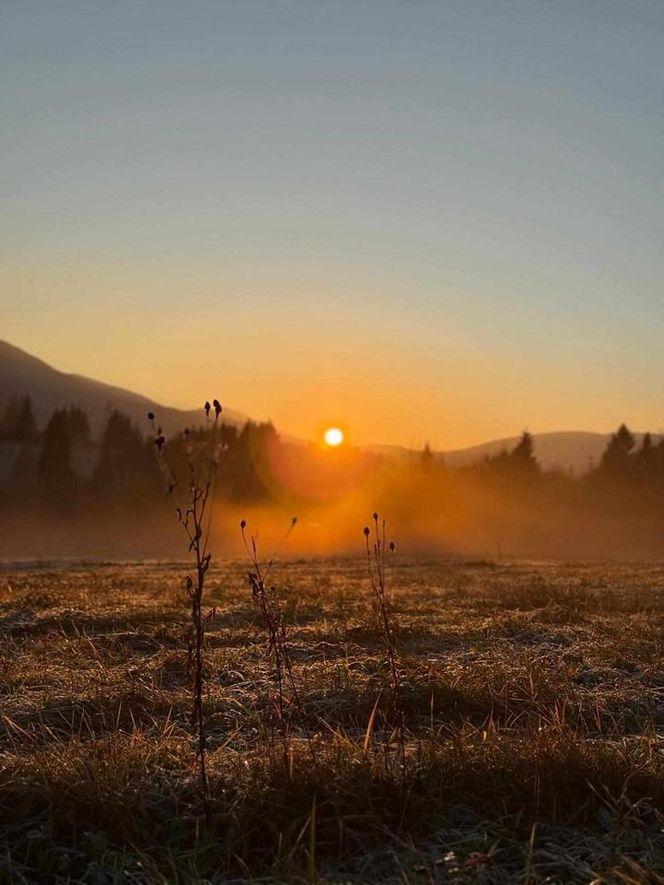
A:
[333,436]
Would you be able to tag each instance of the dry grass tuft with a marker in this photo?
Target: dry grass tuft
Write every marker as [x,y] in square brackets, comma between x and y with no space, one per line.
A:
[533,707]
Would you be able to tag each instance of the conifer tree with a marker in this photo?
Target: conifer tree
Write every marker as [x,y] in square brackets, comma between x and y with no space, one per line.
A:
[55,475]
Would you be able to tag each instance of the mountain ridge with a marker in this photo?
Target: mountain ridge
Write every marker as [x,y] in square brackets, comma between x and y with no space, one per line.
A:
[23,374]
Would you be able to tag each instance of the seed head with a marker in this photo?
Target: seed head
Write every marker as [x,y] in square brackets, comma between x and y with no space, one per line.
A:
[294,520]
[217,406]
[207,407]
[150,416]
[375,517]
[243,524]
[393,546]
[366,531]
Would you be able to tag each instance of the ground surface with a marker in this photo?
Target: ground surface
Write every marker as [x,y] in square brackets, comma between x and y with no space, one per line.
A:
[533,699]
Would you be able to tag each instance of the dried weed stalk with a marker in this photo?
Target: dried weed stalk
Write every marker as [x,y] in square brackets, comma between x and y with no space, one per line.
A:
[193,506]
[378,551]
[266,597]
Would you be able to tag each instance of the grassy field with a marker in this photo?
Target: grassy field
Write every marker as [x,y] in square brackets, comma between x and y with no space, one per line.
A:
[532,693]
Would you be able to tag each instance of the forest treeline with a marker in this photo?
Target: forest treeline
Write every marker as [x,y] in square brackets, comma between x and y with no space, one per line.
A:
[63,465]
[61,468]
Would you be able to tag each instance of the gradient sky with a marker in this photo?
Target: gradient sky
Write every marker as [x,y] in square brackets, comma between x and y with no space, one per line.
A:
[431,221]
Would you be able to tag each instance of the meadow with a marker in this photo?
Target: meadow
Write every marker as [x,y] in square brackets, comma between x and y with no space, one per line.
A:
[532,696]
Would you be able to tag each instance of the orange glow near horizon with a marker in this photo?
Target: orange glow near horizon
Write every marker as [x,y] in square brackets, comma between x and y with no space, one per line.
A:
[334,437]
[257,208]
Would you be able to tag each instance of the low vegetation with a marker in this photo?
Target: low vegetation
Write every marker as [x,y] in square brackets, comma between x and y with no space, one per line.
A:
[531,697]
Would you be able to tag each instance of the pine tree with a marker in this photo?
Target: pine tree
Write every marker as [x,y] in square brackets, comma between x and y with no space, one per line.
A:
[79,426]
[616,458]
[18,421]
[126,469]
[9,420]
[55,475]
[26,426]
[522,460]
[426,457]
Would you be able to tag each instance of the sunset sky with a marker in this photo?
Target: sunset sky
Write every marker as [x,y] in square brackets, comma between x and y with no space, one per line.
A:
[418,221]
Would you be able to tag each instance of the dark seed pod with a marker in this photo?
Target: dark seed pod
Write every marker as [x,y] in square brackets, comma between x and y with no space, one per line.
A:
[207,408]
[366,530]
[150,416]
[217,406]
[243,524]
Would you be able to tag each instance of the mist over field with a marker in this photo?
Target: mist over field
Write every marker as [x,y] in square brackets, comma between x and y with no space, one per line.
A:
[79,477]
[431,511]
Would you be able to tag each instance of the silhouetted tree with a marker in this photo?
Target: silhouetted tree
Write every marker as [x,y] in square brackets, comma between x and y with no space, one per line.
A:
[660,458]
[9,420]
[516,467]
[126,470]
[249,461]
[522,456]
[647,461]
[26,425]
[79,426]
[616,458]
[426,458]
[18,421]
[54,472]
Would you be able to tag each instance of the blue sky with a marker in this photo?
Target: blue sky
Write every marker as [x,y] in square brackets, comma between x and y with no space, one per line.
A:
[431,221]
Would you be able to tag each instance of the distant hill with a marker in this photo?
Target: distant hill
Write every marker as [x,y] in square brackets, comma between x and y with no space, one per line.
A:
[23,374]
[567,450]
[564,450]
[49,389]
